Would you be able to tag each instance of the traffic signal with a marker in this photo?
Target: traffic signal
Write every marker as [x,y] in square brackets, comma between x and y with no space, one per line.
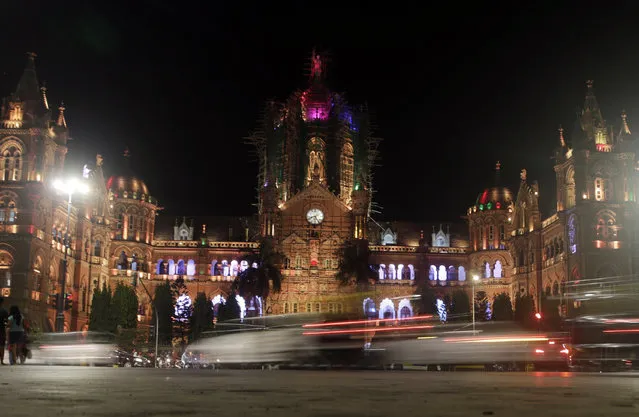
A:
[151,332]
[68,301]
[53,299]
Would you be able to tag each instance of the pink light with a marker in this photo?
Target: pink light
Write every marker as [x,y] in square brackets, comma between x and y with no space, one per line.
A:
[348,323]
[622,331]
[370,330]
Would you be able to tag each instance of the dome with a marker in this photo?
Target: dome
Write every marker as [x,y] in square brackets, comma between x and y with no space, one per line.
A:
[495,198]
[127,187]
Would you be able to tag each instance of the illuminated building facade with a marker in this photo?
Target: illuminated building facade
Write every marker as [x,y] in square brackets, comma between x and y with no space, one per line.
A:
[315,191]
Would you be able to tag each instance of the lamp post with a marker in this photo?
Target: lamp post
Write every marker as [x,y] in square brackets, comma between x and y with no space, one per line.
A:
[68,187]
[475,278]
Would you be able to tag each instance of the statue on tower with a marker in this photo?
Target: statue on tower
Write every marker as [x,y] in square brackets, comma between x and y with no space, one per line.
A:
[316,65]
[523,174]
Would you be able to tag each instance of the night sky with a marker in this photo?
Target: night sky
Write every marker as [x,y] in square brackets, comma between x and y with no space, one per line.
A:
[182,85]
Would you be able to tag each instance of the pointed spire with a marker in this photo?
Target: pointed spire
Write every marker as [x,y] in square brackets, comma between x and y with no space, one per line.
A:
[625,129]
[43,90]
[62,122]
[562,140]
[497,173]
[28,87]
[591,113]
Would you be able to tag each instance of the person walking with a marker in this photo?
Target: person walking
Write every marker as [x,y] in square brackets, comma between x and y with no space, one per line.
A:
[4,315]
[16,333]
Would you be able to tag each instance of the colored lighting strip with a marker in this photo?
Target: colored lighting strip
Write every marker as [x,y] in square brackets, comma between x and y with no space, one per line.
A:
[348,323]
[371,330]
[622,331]
[497,340]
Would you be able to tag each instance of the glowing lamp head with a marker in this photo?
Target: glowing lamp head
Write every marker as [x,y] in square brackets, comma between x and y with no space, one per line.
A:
[538,316]
[475,277]
[71,186]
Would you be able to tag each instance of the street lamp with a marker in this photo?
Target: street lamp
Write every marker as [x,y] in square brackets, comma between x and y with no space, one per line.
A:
[475,278]
[69,187]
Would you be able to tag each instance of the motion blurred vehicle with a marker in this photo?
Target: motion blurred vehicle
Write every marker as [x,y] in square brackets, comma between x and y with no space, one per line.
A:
[606,343]
[502,346]
[278,340]
[76,348]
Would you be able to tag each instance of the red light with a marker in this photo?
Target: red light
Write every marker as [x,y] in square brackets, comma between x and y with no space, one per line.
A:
[552,342]
[564,351]
[377,329]
[622,331]
[498,205]
[538,316]
[540,351]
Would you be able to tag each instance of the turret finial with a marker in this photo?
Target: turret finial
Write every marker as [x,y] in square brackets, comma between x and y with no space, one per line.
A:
[498,166]
[562,140]
[62,122]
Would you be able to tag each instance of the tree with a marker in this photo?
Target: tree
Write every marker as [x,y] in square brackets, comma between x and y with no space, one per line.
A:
[183,308]
[459,306]
[101,318]
[124,307]
[202,318]
[551,319]
[502,307]
[258,281]
[354,264]
[230,310]
[428,299]
[482,306]
[163,302]
[525,310]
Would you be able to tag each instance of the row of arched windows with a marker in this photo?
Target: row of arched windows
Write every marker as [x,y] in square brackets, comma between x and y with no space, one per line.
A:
[400,271]
[217,268]
[442,273]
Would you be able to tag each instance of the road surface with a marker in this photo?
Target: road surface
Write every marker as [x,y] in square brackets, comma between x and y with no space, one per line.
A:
[82,391]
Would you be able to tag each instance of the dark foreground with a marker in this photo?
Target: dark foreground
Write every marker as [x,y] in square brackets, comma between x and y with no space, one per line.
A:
[70,391]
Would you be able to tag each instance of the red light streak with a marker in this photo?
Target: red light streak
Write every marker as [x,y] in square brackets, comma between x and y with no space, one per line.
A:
[622,331]
[348,323]
[511,338]
[371,330]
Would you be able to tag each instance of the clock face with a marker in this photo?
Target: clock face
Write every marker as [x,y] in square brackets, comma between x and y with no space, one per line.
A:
[315,216]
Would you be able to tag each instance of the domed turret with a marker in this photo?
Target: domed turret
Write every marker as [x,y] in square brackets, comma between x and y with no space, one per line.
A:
[489,217]
[133,206]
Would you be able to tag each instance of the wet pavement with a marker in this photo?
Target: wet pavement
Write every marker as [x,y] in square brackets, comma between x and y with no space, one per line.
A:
[83,391]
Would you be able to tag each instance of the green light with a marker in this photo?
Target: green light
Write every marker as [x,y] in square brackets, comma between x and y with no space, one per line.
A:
[481,207]
[489,206]
[356,187]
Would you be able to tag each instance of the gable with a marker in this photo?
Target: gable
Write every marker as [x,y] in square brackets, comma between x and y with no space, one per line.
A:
[316,192]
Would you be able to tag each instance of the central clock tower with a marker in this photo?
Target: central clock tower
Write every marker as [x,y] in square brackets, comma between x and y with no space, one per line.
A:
[315,156]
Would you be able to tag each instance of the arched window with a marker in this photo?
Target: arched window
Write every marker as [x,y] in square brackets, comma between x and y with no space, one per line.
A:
[97,248]
[37,274]
[190,268]
[387,309]
[606,226]
[382,271]
[487,270]
[214,267]
[461,273]
[6,264]
[181,268]
[411,270]
[405,309]
[497,270]
[400,271]
[391,271]
[234,268]
[8,211]
[570,188]
[603,189]
[346,172]
[442,273]
[171,268]
[160,267]
[432,273]
[316,159]
[11,161]
[452,273]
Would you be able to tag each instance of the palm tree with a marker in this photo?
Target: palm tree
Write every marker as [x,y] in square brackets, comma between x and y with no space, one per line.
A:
[354,264]
[259,281]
